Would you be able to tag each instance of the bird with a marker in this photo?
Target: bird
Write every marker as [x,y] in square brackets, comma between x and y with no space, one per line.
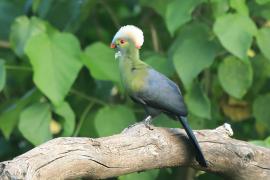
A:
[148,87]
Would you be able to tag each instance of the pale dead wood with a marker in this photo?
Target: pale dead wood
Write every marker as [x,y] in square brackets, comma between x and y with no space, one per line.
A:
[138,149]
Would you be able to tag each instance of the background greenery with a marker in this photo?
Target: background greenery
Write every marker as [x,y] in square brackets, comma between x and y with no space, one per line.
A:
[58,76]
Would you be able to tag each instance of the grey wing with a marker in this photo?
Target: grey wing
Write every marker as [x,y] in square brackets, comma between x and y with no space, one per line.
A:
[162,93]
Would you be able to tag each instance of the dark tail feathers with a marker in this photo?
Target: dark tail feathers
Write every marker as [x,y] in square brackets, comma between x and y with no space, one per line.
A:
[199,155]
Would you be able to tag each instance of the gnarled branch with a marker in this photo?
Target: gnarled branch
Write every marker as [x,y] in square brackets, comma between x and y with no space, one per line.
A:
[137,149]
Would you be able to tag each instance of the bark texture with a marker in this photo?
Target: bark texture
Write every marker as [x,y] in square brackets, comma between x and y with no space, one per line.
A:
[138,149]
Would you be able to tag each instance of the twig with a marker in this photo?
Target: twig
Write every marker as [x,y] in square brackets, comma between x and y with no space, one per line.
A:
[83,117]
[20,68]
[154,38]
[89,98]
[111,13]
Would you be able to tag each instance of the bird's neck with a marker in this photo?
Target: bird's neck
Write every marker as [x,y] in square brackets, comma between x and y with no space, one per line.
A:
[130,67]
[131,54]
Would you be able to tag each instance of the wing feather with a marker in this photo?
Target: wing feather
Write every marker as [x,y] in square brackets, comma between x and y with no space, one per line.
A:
[161,93]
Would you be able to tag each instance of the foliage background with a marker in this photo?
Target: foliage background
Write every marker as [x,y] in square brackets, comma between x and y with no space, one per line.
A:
[58,76]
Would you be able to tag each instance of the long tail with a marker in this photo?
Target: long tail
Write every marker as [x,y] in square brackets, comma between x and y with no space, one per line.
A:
[199,155]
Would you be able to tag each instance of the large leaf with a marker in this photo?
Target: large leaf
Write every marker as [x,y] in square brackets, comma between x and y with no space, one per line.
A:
[179,12]
[113,119]
[240,6]
[34,123]
[65,111]
[160,63]
[264,143]
[8,12]
[10,116]
[197,101]
[235,76]
[101,62]
[219,7]
[158,5]
[260,10]
[165,121]
[261,109]
[235,32]
[263,38]
[56,62]
[261,72]
[65,15]
[193,54]
[262,1]
[22,29]
[2,74]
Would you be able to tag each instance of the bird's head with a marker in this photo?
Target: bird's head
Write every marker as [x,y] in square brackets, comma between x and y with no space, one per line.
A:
[127,37]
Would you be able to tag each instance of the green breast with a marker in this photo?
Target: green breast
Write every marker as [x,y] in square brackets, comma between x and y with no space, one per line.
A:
[133,75]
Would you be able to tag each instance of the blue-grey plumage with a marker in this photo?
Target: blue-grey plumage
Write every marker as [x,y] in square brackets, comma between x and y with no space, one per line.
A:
[161,93]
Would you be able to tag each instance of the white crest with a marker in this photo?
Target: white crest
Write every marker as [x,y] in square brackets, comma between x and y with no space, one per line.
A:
[131,32]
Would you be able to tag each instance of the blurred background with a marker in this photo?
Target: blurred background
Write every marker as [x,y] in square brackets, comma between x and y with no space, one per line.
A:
[58,76]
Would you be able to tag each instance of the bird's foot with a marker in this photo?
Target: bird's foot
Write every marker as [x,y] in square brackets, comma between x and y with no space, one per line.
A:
[147,121]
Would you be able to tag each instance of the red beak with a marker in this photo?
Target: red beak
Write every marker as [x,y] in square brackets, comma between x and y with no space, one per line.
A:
[113,45]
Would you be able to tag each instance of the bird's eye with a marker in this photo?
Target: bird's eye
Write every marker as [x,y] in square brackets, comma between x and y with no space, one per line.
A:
[122,41]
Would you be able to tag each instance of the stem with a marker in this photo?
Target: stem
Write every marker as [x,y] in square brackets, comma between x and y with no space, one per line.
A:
[83,117]
[89,98]
[20,68]
[111,13]
[207,81]
[154,38]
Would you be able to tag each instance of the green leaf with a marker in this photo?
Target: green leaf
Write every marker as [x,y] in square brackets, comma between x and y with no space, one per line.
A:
[160,63]
[165,121]
[158,5]
[235,76]
[240,6]
[147,175]
[261,109]
[193,54]
[8,12]
[260,10]
[263,38]
[10,116]
[197,102]
[35,122]
[65,111]
[113,119]
[65,15]
[261,66]
[261,2]
[199,122]
[219,7]
[263,143]
[101,62]
[179,12]
[237,38]
[261,72]
[2,74]
[22,29]
[56,61]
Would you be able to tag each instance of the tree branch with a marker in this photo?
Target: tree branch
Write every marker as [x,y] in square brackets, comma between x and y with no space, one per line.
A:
[138,149]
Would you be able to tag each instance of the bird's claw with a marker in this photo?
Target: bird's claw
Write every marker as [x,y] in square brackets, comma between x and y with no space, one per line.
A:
[148,126]
[147,122]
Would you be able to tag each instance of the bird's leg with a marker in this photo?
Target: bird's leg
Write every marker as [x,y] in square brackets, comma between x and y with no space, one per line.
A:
[147,121]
